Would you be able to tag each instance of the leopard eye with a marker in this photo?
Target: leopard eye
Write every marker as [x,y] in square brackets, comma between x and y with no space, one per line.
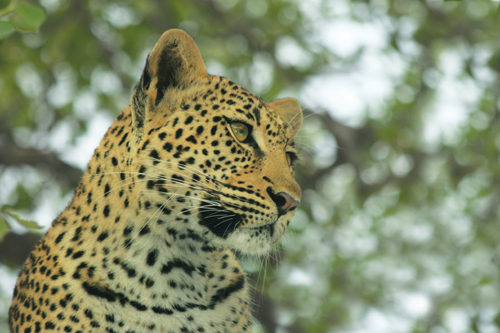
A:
[240,130]
[291,157]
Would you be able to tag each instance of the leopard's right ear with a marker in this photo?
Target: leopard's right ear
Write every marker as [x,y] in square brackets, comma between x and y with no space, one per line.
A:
[290,111]
[174,63]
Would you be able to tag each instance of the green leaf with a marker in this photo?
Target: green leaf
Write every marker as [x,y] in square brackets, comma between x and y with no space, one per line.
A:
[6,29]
[5,210]
[4,228]
[27,18]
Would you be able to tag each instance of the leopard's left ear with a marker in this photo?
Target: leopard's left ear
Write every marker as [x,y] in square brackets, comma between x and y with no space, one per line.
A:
[175,62]
[290,111]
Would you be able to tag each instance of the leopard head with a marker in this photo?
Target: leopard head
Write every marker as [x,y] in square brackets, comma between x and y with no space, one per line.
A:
[215,158]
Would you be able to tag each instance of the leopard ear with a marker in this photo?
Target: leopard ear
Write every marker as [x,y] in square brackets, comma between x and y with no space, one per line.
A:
[290,111]
[174,62]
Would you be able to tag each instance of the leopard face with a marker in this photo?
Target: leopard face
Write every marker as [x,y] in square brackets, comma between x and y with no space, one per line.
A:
[213,154]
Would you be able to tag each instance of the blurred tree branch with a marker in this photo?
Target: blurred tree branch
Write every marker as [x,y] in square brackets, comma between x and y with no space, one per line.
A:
[14,248]
[351,141]
[14,155]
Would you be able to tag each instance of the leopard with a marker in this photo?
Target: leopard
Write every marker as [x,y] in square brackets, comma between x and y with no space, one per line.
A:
[194,173]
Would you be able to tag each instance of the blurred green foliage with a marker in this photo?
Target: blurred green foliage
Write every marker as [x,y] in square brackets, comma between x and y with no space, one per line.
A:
[23,17]
[399,224]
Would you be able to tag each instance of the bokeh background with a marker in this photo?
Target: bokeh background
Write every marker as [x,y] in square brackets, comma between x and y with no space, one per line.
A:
[398,230]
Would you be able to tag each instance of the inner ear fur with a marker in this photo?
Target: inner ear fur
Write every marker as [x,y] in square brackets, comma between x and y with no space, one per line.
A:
[290,111]
[174,62]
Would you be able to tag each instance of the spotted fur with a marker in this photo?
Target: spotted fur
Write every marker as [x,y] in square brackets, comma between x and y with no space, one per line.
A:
[147,243]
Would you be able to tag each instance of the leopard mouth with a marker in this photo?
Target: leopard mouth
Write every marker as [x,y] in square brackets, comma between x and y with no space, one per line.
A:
[268,229]
[221,221]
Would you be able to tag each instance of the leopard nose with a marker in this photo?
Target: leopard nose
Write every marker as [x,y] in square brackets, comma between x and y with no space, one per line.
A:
[283,201]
